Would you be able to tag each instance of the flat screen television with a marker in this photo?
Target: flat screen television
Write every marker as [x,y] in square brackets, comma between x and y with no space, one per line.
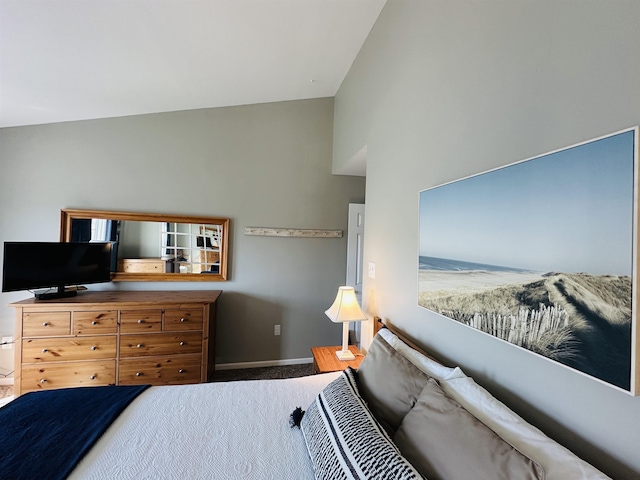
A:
[54,265]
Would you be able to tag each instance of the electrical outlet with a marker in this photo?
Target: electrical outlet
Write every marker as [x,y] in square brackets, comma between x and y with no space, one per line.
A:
[372,270]
[276,330]
[6,340]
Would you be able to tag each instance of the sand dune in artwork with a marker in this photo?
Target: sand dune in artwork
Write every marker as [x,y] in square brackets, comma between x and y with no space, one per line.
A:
[580,320]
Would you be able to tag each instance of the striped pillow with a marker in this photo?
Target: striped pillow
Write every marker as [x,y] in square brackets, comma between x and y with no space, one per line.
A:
[345,441]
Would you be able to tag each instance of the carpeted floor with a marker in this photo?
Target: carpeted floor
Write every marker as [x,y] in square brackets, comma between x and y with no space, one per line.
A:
[263,373]
[6,391]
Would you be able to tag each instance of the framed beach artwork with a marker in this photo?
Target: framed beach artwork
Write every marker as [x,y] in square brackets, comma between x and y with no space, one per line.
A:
[542,254]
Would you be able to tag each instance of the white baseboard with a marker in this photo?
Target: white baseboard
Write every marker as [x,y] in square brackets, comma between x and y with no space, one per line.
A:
[6,381]
[266,363]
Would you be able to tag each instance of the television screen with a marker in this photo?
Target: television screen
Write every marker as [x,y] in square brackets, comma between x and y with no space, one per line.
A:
[31,265]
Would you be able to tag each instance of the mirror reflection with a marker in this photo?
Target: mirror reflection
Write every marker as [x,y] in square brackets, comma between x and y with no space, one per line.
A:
[152,246]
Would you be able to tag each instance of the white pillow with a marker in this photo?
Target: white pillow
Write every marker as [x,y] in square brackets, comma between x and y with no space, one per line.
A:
[424,363]
[558,462]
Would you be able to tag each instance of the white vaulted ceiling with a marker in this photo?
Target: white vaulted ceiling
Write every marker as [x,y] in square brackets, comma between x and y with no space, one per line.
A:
[64,60]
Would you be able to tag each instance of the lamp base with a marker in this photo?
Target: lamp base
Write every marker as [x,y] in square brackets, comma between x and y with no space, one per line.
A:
[345,355]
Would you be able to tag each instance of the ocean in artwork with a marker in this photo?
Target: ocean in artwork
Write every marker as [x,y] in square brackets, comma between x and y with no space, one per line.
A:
[447,264]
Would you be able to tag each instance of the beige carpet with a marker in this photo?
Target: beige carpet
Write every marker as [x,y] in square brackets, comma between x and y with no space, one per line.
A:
[6,391]
[263,373]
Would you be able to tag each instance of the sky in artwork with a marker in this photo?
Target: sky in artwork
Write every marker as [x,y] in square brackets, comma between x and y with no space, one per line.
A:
[568,211]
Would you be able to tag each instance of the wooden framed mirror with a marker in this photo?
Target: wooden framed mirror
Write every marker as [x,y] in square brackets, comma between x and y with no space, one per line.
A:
[154,247]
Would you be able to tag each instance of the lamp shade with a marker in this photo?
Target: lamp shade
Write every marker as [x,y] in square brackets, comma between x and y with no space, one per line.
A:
[345,307]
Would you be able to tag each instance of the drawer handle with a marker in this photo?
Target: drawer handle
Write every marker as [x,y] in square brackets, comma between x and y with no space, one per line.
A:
[94,323]
[182,344]
[92,377]
[44,350]
[183,319]
[139,345]
[44,380]
[45,324]
[93,347]
[181,371]
[139,374]
[141,320]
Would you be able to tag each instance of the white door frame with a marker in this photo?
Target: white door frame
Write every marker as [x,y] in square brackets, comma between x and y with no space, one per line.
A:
[355,257]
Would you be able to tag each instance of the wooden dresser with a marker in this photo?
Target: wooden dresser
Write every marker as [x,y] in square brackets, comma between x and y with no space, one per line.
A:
[121,338]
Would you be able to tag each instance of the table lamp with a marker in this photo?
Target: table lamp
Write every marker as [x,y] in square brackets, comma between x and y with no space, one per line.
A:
[345,309]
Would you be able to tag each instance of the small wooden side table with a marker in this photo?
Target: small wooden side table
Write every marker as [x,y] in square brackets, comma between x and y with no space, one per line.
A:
[325,360]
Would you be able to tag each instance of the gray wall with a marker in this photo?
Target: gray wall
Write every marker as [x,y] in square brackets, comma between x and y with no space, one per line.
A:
[445,89]
[261,165]
[139,240]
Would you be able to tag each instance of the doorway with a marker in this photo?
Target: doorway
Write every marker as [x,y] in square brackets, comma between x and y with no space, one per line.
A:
[355,258]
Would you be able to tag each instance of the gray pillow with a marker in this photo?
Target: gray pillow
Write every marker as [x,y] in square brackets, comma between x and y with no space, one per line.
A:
[389,383]
[444,441]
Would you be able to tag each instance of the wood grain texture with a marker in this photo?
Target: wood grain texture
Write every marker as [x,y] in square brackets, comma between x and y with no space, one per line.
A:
[175,370]
[58,349]
[68,374]
[38,324]
[95,322]
[166,336]
[325,360]
[141,320]
[160,344]
[142,265]
[121,299]
[292,232]
[183,319]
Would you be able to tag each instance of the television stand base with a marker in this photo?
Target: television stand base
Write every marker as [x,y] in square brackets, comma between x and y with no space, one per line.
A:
[57,294]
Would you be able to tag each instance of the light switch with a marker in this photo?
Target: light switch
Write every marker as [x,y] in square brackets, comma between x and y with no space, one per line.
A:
[372,270]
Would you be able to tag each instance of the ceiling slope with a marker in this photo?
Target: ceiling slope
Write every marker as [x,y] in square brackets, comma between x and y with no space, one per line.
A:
[65,60]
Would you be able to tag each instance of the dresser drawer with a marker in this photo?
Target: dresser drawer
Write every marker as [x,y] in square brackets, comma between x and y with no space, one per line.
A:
[142,265]
[160,344]
[168,337]
[68,348]
[44,324]
[95,323]
[68,374]
[138,321]
[176,370]
[185,319]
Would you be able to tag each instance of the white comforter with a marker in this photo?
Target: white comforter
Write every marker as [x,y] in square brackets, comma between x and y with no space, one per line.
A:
[234,430]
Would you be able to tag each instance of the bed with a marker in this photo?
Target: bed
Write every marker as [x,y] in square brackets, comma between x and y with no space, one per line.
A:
[401,415]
